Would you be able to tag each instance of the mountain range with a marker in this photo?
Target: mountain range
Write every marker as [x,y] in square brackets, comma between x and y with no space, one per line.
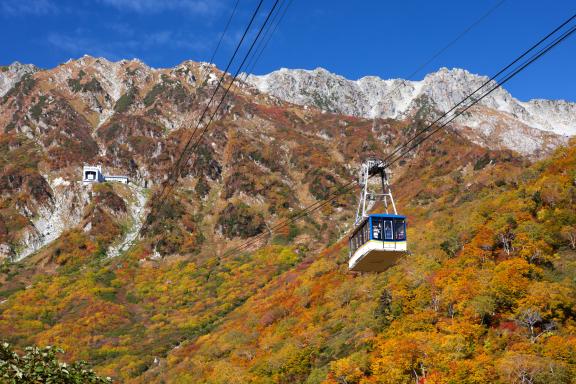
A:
[486,293]
[499,120]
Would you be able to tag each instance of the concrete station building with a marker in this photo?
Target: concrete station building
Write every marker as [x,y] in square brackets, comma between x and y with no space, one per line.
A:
[93,174]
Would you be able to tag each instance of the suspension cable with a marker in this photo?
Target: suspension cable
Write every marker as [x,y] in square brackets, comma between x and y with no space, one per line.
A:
[171,180]
[391,159]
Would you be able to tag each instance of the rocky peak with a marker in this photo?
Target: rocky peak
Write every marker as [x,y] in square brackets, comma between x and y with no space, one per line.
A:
[11,74]
[372,97]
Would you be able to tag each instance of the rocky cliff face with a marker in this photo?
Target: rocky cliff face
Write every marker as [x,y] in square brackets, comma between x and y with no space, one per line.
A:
[265,157]
[86,111]
[254,165]
[11,74]
[500,120]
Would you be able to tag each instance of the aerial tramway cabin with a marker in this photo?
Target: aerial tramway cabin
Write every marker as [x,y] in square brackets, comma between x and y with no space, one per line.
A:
[377,243]
[378,240]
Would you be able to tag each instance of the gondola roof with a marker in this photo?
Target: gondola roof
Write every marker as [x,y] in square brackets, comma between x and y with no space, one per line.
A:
[387,215]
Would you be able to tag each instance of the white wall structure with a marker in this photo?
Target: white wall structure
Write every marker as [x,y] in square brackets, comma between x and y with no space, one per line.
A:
[93,174]
[118,179]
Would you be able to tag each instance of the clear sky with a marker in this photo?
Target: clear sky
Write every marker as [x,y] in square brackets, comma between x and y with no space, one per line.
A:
[353,38]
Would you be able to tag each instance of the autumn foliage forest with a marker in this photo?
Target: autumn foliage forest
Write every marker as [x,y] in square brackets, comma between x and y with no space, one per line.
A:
[487,293]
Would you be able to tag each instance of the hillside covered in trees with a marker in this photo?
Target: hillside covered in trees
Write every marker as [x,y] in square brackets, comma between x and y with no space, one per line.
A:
[486,294]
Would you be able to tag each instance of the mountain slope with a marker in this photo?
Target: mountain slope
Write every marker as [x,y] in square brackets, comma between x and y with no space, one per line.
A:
[510,123]
[465,305]
[179,305]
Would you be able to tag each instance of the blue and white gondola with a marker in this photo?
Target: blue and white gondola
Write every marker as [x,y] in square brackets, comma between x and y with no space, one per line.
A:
[377,243]
[378,240]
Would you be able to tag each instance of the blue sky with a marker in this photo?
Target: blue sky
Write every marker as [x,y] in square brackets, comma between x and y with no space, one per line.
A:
[352,38]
